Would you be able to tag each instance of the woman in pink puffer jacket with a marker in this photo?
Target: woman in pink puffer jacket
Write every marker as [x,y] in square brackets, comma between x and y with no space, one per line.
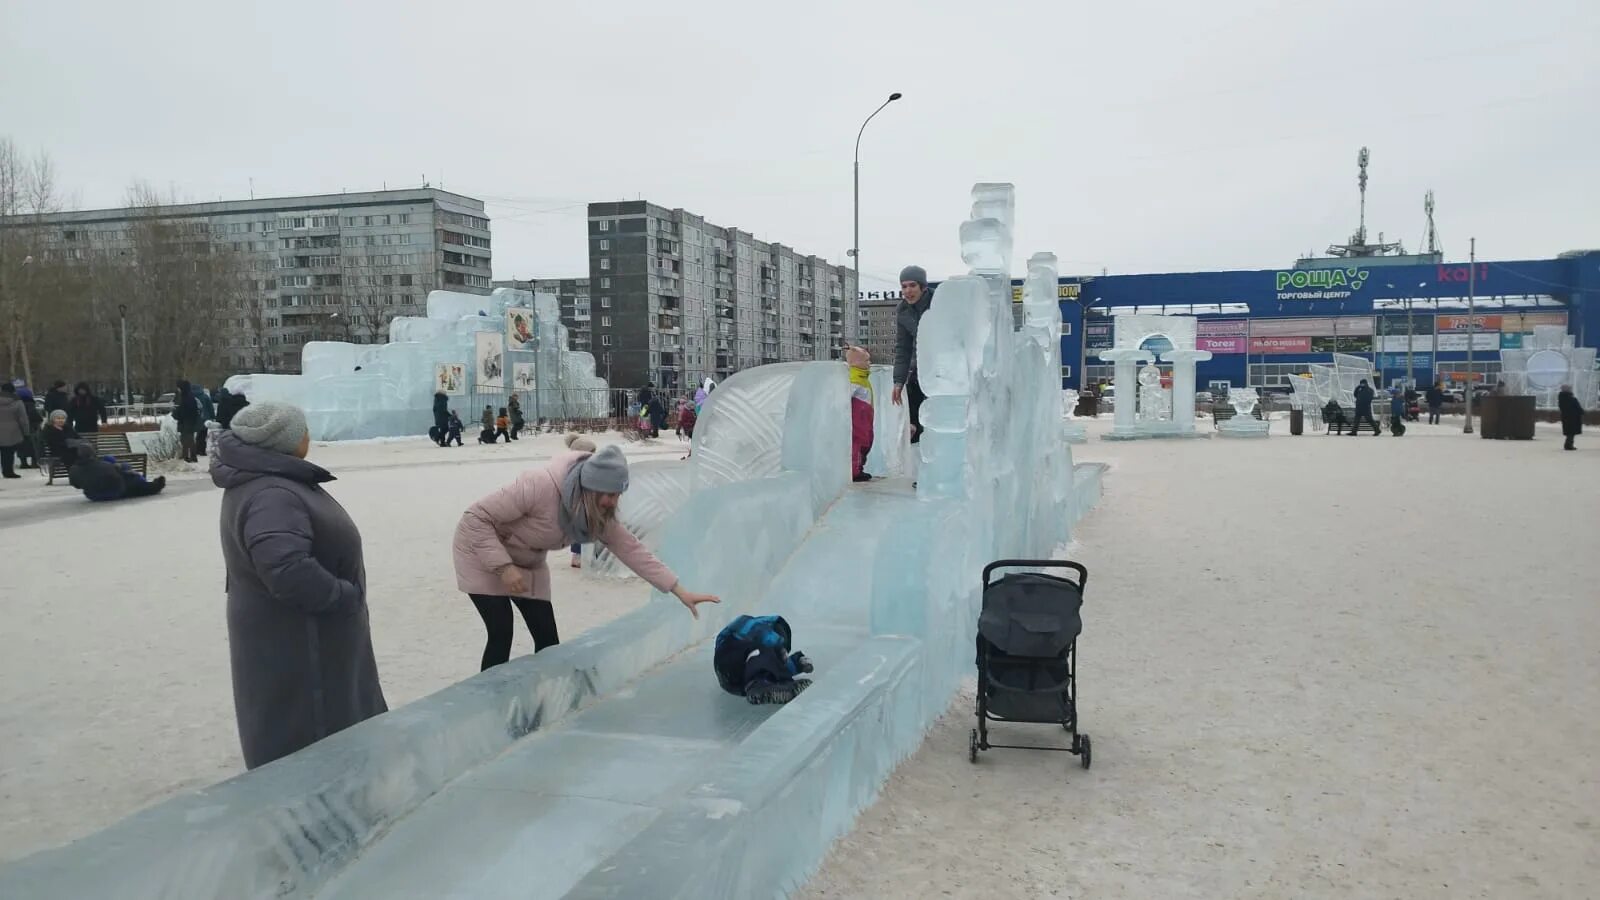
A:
[502,540]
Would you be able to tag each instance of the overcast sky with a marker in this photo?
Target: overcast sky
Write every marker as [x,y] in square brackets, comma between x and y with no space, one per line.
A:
[1142,137]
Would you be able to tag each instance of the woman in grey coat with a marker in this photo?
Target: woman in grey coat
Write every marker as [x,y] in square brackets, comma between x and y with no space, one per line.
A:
[298,635]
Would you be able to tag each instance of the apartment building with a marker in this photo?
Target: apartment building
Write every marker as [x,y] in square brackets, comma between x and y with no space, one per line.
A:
[325,267]
[675,298]
[875,328]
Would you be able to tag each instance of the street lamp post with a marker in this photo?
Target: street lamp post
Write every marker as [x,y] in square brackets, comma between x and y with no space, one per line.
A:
[855,245]
[1472,323]
[127,398]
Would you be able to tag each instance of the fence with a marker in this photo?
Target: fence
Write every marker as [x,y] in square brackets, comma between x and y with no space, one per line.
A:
[563,409]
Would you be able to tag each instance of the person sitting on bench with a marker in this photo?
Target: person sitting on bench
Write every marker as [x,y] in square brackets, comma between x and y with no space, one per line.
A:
[61,442]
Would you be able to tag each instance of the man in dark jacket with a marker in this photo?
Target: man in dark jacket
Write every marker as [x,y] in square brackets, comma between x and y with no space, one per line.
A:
[1363,393]
[299,639]
[1571,415]
[186,409]
[916,298]
[441,418]
[1435,400]
[55,398]
[85,410]
[13,427]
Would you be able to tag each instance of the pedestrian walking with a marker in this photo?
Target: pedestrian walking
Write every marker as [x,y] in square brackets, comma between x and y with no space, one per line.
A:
[1363,395]
[1435,398]
[514,407]
[441,417]
[1571,415]
[299,638]
[186,410]
[502,541]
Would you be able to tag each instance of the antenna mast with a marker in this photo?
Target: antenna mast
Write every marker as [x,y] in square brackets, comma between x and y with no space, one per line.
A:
[1432,239]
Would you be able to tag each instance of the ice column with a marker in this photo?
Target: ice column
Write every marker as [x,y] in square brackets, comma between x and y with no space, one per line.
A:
[1183,386]
[1126,362]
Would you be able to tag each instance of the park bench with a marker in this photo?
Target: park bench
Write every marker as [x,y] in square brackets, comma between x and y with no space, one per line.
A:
[1337,420]
[1222,412]
[113,445]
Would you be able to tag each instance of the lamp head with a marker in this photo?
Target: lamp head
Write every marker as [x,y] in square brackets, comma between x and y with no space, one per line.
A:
[894,96]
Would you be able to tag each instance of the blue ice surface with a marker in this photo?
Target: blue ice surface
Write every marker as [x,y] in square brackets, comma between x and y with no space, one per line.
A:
[613,765]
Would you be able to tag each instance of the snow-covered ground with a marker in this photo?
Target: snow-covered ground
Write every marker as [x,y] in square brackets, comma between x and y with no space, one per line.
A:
[114,685]
[1312,667]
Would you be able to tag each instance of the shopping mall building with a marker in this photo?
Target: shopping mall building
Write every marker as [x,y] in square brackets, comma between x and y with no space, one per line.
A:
[1409,315]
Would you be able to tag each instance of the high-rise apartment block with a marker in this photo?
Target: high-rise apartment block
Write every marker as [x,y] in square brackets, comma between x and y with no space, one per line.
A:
[876,329]
[331,266]
[674,298]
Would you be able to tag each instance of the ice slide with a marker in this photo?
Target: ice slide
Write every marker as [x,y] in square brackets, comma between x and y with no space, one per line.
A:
[612,766]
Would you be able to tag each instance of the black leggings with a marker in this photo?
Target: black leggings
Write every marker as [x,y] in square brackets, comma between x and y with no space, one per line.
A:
[539,615]
[914,398]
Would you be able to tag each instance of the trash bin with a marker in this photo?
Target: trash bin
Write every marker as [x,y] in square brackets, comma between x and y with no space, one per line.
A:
[1297,421]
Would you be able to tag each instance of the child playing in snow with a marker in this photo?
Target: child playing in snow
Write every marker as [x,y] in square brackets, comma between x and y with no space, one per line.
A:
[860,363]
[486,436]
[452,430]
[502,426]
[752,660]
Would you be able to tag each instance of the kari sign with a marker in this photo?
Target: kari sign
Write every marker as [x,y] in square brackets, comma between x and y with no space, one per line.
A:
[1221,345]
[1222,328]
[1280,345]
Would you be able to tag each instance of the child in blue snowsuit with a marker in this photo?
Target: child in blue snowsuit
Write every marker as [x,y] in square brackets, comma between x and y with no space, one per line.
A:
[752,660]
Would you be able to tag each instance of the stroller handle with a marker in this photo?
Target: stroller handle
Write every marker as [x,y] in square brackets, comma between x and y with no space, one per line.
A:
[1083,573]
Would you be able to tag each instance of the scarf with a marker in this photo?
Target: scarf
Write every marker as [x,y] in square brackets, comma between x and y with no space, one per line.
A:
[571,516]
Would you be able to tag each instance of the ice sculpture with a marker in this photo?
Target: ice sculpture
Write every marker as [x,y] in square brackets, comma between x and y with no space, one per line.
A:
[352,391]
[1074,431]
[1546,361]
[1165,415]
[1243,424]
[657,784]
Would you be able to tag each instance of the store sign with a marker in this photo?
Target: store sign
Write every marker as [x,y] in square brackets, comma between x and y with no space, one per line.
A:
[1398,361]
[1220,344]
[1223,327]
[1269,345]
[1319,284]
[1063,292]
[1312,326]
[1097,335]
[1457,343]
[1465,323]
[1510,341]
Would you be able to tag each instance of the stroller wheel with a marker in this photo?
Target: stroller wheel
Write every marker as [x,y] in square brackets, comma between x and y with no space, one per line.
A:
[1085,753]
[972,747]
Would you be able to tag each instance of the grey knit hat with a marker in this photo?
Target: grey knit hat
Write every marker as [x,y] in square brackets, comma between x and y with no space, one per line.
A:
[914,273]
[605,472]
[270,426]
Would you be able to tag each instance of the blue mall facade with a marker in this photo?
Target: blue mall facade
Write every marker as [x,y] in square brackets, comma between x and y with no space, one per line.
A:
[1410,319]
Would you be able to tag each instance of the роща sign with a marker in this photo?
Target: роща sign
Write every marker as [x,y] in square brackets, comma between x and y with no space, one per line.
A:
[1319,284]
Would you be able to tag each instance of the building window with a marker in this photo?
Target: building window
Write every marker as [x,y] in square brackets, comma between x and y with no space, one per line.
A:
[605,282]
[405,218]
[605,340]
[605,245]
[605,225]
[605,321]
[605,302]
[605,263]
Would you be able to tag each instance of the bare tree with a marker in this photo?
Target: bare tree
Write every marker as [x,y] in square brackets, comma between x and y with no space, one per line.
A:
[180,289]
[27,192]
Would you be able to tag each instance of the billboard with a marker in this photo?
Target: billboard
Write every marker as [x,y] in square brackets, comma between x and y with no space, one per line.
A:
[1311,326]
[1097,335]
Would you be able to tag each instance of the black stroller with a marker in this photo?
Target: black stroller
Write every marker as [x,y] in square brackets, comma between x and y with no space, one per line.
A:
[1027,653]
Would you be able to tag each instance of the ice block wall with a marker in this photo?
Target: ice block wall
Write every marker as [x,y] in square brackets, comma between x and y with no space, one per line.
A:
[354,391]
